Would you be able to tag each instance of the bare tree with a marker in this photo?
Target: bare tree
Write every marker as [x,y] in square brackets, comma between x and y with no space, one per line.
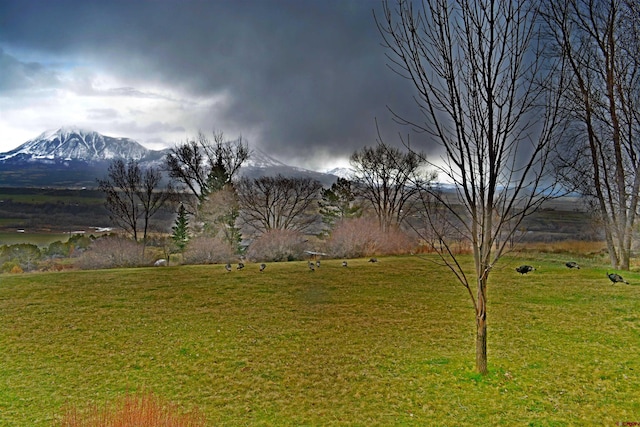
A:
[133,196]
[278,203]
[473,64]
[205,165]
[389,180]
[600,42]
[151,197]
[120,189]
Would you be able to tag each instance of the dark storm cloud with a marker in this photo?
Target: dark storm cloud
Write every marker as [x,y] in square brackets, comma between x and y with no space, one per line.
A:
[300,73]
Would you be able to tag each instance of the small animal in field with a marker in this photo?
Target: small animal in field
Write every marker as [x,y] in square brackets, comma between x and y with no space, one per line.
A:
[227,267]
[524,269]
[615,278]
[312,266]
[572,264]
[344,263]
[373,259]
[318,263]
[262,267]
[240,266]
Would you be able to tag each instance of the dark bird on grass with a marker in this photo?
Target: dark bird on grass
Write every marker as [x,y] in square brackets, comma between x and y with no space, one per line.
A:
[615,278]
[262,267]
[312,266]
[344,263]
[318,263]
[240,266]
[227,267]
[524,269]
[373,259]
[572,264]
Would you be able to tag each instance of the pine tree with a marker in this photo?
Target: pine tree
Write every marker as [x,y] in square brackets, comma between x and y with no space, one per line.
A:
[180,235]
[339,202]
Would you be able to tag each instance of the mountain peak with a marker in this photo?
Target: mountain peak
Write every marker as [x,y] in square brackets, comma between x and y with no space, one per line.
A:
[73,143]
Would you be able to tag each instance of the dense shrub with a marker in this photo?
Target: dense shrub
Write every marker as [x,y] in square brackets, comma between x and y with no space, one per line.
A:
[113,252]
[25,255]
[207,250]
[145,410]
[8,266]
[358,237]
[278,245]
[58,249]
[16,269]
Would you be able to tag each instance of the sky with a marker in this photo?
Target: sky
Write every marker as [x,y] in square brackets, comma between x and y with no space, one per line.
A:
[302,80]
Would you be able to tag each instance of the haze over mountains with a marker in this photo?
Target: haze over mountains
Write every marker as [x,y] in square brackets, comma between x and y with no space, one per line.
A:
[73,157]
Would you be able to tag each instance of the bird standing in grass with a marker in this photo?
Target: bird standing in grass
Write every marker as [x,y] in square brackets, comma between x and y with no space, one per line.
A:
[524,269]
[373,259]
[227,267]
[572,264]
[312,266]
[262,267]
[344,263]
[616,278]
[318,263]
[240,266]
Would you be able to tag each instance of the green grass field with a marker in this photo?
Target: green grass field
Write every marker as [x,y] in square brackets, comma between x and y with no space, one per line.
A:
[38,239]
[380,344]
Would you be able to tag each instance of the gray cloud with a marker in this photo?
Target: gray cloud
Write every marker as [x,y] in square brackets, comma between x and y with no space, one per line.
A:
[17,75]
[301,76]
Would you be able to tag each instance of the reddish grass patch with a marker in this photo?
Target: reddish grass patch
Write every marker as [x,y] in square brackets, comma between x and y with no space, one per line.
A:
[143,410]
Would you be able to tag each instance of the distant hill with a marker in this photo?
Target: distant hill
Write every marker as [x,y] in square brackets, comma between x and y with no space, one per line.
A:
[76,158]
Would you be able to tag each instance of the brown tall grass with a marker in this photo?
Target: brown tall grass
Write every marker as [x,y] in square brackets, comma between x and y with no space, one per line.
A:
[141,410]
[580,247]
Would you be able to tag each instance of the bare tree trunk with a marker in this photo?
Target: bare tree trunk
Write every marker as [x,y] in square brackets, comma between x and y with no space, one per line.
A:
[481,328]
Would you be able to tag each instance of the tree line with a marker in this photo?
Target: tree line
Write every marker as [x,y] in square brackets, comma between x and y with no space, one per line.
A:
[212,200]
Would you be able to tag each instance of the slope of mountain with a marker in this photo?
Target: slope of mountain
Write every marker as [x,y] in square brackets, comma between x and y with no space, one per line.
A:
[261,164]
[72,157]
[345,173]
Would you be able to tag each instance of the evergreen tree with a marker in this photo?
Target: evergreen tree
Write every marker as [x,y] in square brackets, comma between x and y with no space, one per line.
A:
[180,233]
[339,202]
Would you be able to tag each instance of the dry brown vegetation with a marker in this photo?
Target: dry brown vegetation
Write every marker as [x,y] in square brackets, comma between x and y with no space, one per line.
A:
[139,410]
[358,237]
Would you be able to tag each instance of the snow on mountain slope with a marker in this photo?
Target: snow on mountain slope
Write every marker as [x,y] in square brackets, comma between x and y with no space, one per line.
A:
[76,144]
[344,173]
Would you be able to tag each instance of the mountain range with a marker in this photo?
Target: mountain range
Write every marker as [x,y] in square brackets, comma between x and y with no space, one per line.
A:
[73,157]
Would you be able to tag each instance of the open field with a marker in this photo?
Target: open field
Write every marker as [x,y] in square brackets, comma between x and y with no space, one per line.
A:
[38,239]
[383,344]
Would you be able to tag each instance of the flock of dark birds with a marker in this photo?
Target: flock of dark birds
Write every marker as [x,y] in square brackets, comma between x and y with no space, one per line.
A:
[523,269]
[312,265]
[615,278]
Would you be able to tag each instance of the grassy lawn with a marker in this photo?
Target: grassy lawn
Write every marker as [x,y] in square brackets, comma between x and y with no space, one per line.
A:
[382,344]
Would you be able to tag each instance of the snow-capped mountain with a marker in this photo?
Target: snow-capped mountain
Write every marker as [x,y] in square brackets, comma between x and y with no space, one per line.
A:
[70,157]
[74,144]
